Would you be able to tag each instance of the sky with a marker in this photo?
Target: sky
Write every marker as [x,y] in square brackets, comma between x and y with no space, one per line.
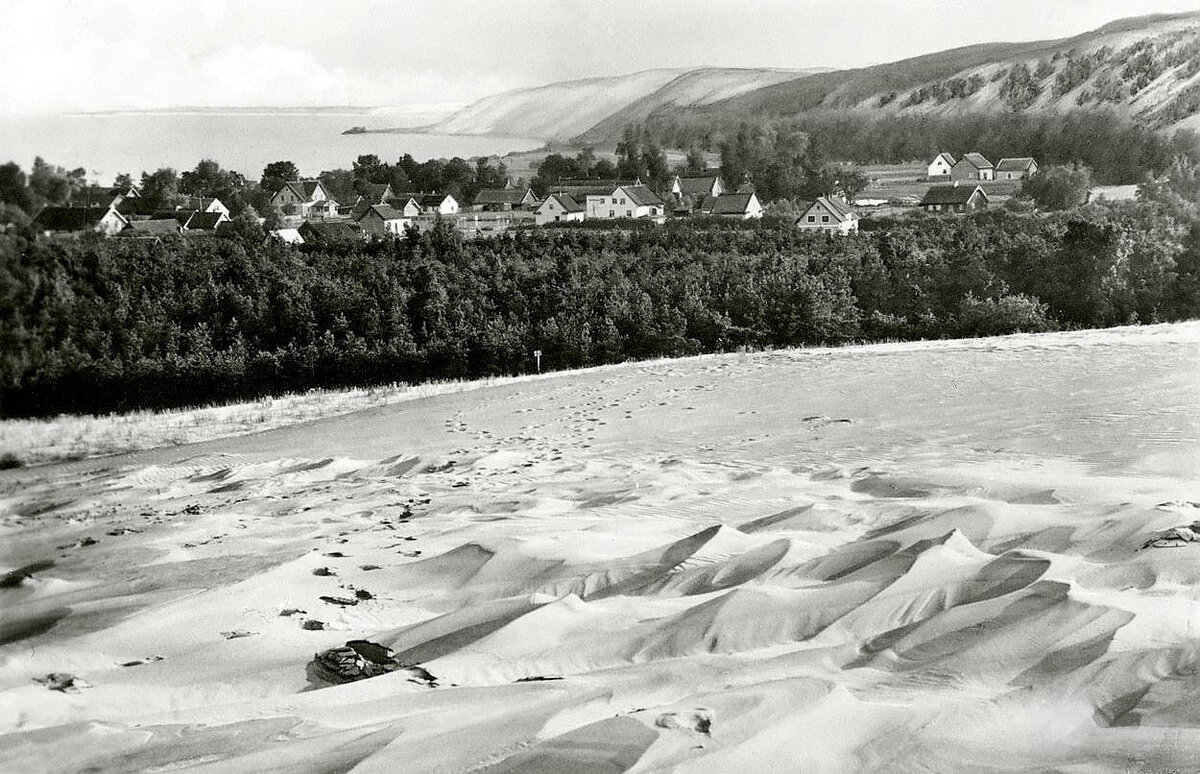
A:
[142,54]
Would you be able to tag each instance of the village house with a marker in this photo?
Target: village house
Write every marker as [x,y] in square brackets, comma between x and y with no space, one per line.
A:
[973,166]
[58,221]
[631,201]
[741,206]
[828,214]
[941,166]
[296,197]
[103,196]
[328,232]
[201,221]
[697,186]
[437,204]
[377,193]
[955,198]
[407,205]
[1021,168]
[502,199]
[559,208]
[383,220]
[324,209]
[203,204]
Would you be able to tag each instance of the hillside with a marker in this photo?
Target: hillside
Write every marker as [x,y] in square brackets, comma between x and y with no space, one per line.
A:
[562,110]
[1147,68]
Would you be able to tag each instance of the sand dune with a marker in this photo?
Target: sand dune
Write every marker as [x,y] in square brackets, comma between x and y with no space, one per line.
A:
[916,557]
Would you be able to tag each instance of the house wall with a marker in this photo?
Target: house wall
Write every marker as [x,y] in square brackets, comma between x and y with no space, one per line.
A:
[939,168]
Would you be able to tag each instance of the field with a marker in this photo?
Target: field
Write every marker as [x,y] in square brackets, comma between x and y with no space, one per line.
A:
[938,556]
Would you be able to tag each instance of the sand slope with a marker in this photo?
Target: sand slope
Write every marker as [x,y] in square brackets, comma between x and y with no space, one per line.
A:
[916,557]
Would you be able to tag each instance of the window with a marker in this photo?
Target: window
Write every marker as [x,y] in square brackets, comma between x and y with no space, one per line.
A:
[812,218]
[629,213]
[622,200]
[824,218]
[612,214]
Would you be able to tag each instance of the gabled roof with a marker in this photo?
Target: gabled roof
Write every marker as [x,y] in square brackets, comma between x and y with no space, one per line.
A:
[951,194]
[835,207]
[977,160]
[641,195]
[204,221]
[375,192]
[566,201]
[501,196]
[303,189]
[1018,164]
[71,218]
[158,226]
[697,184]
[330,231]
[198,202]
[97,196]
[727,204]
[435,200]
[384,211]
[949,159]
[310,186]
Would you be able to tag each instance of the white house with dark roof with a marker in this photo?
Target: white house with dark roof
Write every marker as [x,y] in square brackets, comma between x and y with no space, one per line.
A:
[559,208]
[1020,168]
[955,198]
[973,166]
[51,221]
[506,199]
[296,197]
[697,186]
[940,167]
[828,214]
[438,204]
[739,206]
[383,220]
[626,201]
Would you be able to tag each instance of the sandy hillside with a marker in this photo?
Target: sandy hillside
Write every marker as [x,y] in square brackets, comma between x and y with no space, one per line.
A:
[919,557]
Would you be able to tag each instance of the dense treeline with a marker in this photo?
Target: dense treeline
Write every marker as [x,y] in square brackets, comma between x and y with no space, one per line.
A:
[102,325]
[1116,149]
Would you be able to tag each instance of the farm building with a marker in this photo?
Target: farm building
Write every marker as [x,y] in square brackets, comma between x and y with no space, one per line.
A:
[1021,168]
[941,166]
[741,206]
[955,198]
[973,166]
[79,220]
[558,208]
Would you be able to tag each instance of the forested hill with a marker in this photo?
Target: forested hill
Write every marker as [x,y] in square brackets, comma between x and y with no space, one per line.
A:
[1146,68]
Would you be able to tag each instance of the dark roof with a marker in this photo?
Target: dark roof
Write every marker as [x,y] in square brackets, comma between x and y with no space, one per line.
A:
[159,226]
[204,221]
[1019,164]
[198,202]
[310,186]
[568,202]
[375,191]
[69,218]
[951,194]
[97,195]
[433,200]
[726,204]
[697,184]
[641,195]
[384,211]
[501,196]
[948,157]
[330,231]
[977,160]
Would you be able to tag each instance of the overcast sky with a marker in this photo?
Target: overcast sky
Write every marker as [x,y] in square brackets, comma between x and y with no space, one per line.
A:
[59,55]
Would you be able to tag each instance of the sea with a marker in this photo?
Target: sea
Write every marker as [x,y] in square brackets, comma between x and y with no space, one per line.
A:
[108,144]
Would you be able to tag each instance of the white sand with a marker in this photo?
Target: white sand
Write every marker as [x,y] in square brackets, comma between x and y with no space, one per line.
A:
[910,557]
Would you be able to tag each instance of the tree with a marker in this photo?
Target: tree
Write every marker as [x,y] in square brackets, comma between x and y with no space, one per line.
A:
[123,181]
[53,184]
[277,173]
[1058,187]
[160,189]
[13,187]
[695,162]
